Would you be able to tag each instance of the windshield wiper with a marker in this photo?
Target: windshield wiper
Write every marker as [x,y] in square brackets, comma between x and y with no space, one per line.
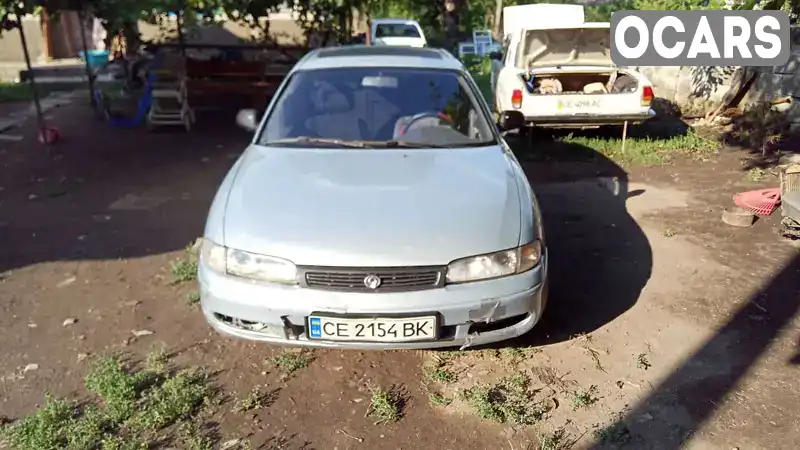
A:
[406,144]
[311,140]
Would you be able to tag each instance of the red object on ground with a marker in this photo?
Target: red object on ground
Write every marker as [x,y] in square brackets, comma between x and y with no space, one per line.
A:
[48,135]
[761,202]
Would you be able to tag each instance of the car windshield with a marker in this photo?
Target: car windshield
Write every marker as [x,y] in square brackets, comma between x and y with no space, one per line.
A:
[370,107]
[396,30]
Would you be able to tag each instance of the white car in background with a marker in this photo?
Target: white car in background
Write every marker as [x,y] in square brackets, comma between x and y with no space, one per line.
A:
[396,32]
[560,75]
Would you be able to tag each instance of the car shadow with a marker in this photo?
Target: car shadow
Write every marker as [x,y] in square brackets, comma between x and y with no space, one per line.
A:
[599,257]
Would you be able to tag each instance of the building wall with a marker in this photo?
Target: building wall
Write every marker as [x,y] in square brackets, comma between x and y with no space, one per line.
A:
[11,46]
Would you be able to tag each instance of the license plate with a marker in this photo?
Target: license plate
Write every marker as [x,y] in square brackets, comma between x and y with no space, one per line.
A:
[372,329]
[579,104]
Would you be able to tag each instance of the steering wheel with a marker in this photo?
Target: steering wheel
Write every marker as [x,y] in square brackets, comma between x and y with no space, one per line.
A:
[423,115]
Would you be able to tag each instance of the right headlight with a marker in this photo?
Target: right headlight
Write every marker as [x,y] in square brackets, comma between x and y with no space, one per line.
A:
[243,264]
[495,265]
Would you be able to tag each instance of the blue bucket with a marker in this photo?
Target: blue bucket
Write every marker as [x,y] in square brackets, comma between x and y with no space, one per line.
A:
[95,58]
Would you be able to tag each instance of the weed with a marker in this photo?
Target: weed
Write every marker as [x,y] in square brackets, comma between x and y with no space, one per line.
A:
[184,269]
[176,398]
[642,362]
[585,399]
[257,398]
[290,362]
[134,404]
[386,405]
[45,429]
[510,400]
[124,443]
[193,438]
[669,232]
[193,297]
[756,174]
[117,388]
[556,440]
[157,360]
[516,355]
[439,373]
[438,399]
[615,434]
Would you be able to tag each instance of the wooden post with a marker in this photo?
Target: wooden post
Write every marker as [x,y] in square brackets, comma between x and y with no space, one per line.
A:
[624,135]
[47,35]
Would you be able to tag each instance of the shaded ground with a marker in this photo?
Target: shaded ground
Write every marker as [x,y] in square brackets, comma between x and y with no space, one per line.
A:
[644,274]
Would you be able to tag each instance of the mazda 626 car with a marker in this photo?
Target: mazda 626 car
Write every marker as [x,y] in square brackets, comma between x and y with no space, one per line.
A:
[377,206]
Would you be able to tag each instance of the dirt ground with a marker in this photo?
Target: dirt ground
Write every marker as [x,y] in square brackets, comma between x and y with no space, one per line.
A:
[666,329]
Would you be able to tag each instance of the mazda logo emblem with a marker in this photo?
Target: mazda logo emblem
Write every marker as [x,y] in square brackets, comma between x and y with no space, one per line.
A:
[372,281]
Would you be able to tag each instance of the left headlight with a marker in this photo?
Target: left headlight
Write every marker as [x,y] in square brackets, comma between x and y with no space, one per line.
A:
[247,265]
[495,265]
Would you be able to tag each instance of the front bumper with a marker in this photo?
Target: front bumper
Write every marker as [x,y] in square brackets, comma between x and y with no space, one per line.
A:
[469,314]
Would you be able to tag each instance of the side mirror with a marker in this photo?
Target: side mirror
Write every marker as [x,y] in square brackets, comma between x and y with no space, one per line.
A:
[497,56]
[246,118]
[510,120]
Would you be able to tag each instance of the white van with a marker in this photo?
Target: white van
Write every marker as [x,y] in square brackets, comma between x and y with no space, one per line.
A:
[560,74]
[396,32]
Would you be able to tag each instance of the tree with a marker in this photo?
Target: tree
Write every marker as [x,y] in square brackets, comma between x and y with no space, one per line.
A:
[790,6]
[252,13]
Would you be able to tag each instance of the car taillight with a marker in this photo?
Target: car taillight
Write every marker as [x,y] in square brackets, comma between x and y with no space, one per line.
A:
[647,95]
[516,99]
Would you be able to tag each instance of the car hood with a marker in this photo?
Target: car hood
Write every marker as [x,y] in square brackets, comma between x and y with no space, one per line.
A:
[373,207]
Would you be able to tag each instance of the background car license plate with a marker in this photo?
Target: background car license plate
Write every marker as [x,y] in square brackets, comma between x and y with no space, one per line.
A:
[579,104]
[375,329]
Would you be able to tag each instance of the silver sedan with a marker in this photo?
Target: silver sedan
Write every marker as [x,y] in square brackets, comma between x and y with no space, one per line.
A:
[377,206]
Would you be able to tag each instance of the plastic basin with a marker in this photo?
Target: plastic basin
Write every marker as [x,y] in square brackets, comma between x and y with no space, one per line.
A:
[95,58]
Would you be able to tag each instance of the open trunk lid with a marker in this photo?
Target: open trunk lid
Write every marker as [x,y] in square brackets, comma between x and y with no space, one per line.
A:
[587,44]
[537,15]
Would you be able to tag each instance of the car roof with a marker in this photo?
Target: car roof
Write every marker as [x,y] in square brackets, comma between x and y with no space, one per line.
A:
[378,56]
[393,20]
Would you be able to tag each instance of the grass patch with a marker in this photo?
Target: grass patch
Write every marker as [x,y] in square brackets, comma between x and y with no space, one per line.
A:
[585,399]
[511,400]
[438,399]
[645,150]
[184,269]
[438,372]
[557,440]
[135,406]
[756,174]
[193,297]
[385,405]
[289,362]
[257,398]
[15,92]
[440,375]
[193,438]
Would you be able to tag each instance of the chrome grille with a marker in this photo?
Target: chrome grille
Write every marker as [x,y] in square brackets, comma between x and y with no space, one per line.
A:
[391,279]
